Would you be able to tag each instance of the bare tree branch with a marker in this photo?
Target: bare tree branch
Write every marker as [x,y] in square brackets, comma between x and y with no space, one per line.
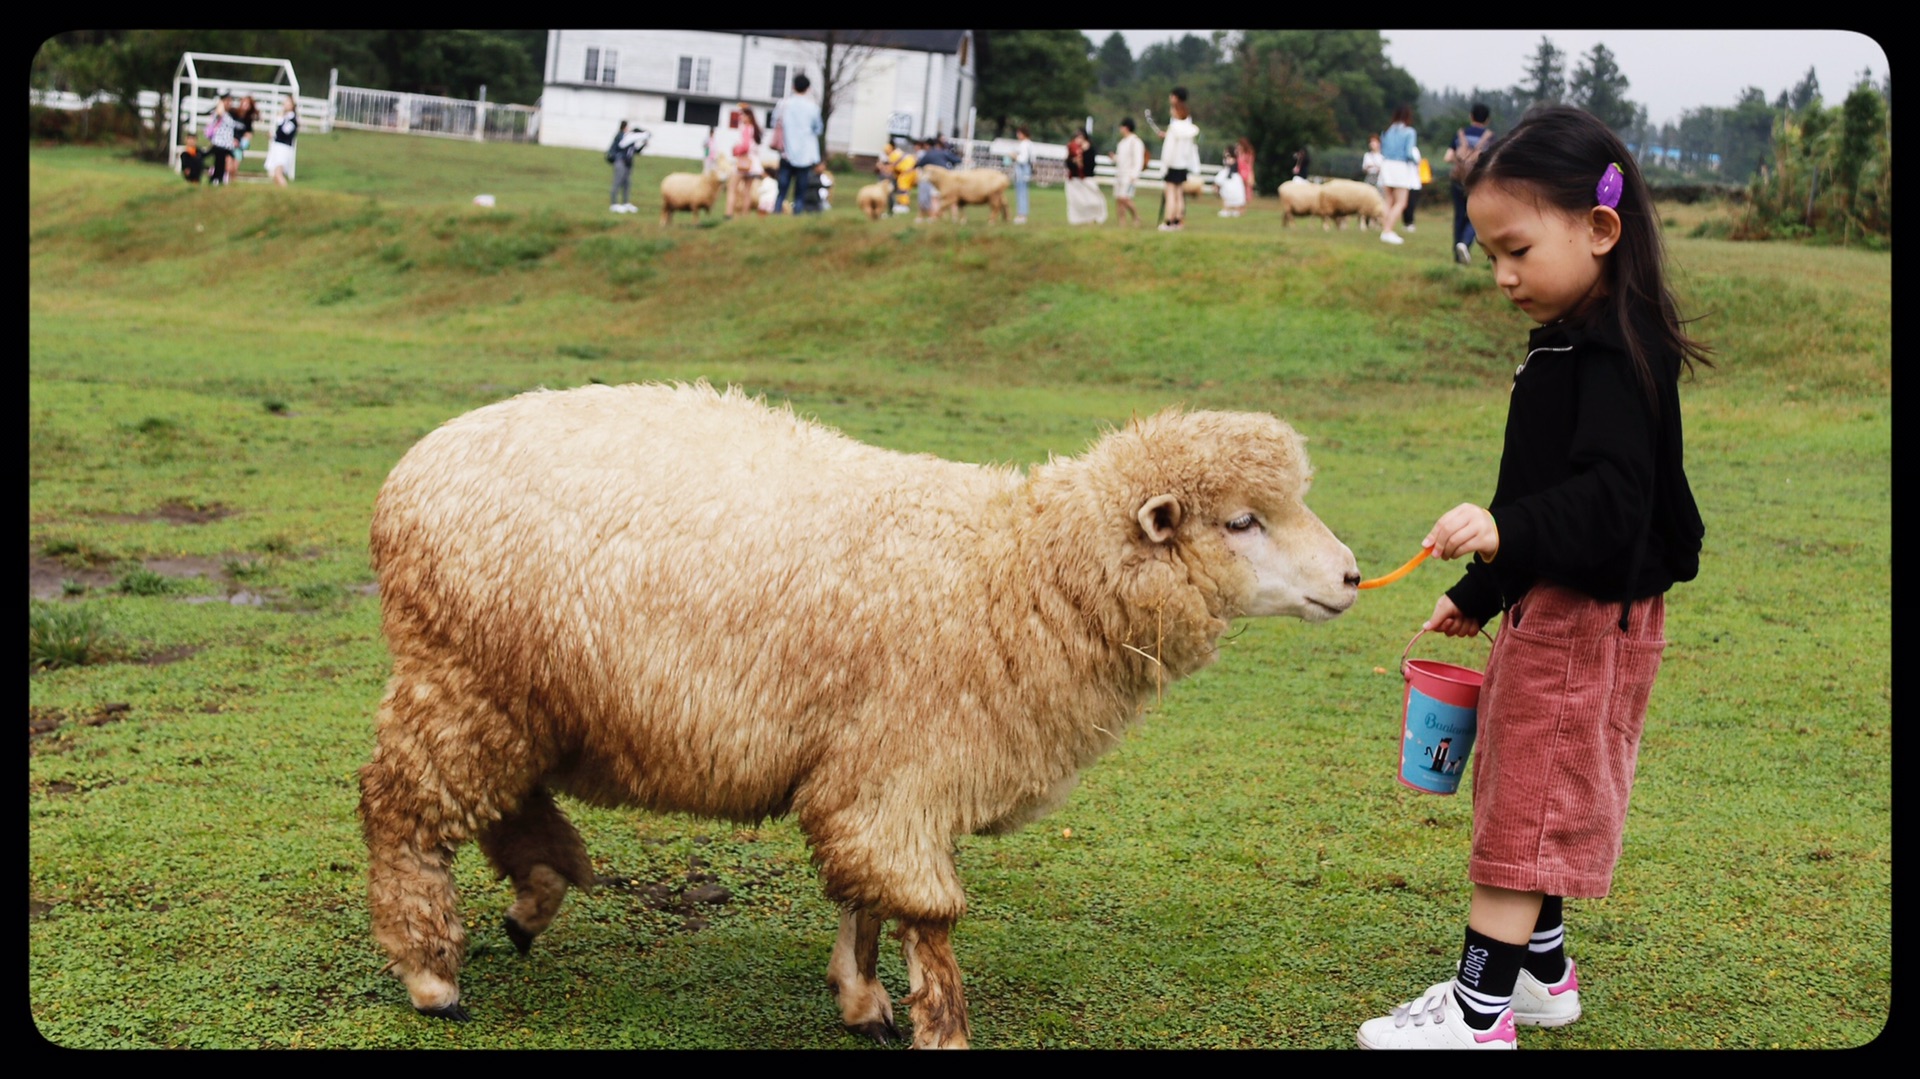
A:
[843,53]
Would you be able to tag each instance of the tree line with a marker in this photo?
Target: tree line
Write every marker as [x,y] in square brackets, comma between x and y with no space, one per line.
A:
[451,63]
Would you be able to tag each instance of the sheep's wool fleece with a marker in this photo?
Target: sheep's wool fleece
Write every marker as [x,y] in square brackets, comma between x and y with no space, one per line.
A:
[687,600]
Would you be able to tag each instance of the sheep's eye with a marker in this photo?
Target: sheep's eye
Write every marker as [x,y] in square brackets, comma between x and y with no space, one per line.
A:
[1242,523]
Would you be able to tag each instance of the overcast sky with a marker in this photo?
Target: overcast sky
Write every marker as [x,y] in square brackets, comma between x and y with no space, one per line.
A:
[1668,71]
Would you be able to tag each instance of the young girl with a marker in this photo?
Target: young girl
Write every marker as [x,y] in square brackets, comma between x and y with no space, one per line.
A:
[1591,522]
[1370,161]
[280,158]
[1233,190]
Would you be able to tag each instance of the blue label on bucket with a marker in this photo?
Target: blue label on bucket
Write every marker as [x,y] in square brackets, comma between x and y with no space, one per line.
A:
[1434,744]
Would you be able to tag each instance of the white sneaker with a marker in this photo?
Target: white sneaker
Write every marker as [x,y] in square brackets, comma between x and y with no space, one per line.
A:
[1019,220]
[1391,238]
[1409,228]
[617,208]
[630,207]
[1537,1004]
[1435,1022]
[1461,255]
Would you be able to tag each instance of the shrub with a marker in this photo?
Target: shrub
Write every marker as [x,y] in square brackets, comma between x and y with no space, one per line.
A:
[61,635]
[141,581]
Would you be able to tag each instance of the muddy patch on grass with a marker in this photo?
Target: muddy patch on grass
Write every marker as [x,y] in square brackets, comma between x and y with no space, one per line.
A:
[44,722]
[694,898]
[174,513]
[697,895]
[47,577]
[53,579]
[169,655]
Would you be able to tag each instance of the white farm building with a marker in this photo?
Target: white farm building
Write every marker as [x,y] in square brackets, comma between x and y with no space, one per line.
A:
[679,84]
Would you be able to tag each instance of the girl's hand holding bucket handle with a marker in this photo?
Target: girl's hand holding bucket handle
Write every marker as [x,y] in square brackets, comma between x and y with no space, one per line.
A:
[1464,529]
[1447,619]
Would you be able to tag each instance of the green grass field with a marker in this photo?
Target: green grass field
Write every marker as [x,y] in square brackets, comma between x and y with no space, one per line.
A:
[221,379]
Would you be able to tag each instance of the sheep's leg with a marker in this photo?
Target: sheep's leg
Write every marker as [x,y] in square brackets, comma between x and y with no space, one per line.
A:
[410,893]
[853,976]
[938,1003]
[540,849]
[423,794]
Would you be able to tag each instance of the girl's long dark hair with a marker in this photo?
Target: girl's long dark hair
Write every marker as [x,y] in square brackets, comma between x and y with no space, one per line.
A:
[1559,153]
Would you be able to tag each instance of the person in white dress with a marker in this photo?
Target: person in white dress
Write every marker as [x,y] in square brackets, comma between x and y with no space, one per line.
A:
[280,152]
[1233,189]
[1129,160]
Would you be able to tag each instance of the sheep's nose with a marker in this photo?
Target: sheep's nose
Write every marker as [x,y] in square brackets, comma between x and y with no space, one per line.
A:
[1353,579]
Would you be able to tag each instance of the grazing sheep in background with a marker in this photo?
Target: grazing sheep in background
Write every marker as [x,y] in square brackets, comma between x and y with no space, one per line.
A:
[1341,199]
[967,187]
[682,599]
[873,201]
[1298,198]
[689,191]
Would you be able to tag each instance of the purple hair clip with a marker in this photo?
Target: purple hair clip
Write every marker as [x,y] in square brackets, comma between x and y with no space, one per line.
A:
[1611,184]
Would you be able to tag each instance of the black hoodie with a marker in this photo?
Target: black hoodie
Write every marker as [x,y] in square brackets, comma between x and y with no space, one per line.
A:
[1593,491]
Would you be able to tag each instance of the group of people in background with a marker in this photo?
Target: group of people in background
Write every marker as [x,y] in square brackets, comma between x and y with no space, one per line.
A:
[229,134]
[1392,162]
[791,136]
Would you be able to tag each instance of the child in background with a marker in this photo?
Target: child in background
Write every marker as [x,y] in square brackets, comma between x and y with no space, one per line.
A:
[1591,522]
[1233,189]
[192,162]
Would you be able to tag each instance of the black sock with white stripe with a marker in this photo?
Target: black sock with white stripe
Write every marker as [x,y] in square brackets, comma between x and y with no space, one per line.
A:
[1547,951]
[1484,983]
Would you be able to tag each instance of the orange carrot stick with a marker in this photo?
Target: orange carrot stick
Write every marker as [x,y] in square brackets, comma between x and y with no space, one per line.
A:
[1399,573]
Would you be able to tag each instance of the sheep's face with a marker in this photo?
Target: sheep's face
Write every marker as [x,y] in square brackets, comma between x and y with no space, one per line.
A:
[1296,564]
[1266,557]
[1232,506]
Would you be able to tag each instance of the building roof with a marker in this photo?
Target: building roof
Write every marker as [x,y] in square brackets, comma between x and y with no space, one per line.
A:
[941,41]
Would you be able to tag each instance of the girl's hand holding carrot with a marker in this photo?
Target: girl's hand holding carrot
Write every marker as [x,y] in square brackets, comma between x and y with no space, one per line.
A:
[1464,529]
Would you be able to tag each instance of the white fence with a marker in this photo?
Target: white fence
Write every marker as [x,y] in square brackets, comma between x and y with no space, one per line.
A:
[425,114]
[1050,162]
[313,110]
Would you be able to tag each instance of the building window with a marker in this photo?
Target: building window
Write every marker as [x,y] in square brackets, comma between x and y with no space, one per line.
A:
[673,111]
[704,113]
[685,81]
[606,66]
[779,82]
[593,65]
[700,75]
[963,49]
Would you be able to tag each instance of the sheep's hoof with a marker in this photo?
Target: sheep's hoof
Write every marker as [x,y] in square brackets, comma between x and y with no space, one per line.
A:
[882,1031]
[516,932]
[455,1011]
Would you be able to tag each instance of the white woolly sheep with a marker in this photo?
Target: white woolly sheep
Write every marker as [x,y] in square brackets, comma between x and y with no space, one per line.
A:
[1298,198]
[682,599]
[1341,199]
[693,192]
[967,187]
[873,201]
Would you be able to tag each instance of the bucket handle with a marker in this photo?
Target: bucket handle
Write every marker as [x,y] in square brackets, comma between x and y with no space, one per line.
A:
[1422,633]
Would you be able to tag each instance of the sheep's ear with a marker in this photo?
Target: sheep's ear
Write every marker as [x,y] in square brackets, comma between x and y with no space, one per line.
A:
[1159,516]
